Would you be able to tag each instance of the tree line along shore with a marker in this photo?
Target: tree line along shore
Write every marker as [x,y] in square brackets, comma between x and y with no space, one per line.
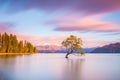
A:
[9,44]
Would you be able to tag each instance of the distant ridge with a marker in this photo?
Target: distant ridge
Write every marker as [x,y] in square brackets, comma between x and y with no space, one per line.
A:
[50,49]
[57,49]
[111,48]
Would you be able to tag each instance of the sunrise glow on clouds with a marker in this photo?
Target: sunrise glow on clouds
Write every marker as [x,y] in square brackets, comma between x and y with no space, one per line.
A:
[44,22]
[89,23]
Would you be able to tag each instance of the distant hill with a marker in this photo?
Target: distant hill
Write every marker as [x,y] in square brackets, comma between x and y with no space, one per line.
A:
[57,49]
[111,48]
[50,49]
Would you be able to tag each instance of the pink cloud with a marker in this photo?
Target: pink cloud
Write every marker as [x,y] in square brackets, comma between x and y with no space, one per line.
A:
[50,47]
[35,40]
[87,23]
[54,41]
[86,6]
[40,40]
[89,42]
[5,27]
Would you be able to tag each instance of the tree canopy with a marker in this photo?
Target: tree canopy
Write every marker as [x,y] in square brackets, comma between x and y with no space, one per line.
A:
[72,43]
[10,44]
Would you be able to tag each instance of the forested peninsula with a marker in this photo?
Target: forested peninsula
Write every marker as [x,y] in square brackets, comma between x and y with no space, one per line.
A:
[10,44]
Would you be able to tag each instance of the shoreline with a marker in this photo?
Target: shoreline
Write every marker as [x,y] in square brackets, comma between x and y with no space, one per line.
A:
[7,54]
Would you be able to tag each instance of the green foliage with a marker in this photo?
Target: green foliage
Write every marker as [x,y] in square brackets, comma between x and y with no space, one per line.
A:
[10,44]
[82,53]
[72,43]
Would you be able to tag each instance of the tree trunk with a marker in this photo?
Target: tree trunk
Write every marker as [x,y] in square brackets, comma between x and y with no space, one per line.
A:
[67,55]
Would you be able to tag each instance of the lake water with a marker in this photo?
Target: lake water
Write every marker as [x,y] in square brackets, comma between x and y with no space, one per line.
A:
[56,67]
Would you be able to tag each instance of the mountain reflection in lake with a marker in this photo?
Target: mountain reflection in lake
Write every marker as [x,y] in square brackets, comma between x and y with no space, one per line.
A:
[56,67]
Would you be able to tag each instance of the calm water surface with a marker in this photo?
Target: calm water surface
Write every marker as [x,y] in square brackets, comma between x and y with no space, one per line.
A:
[56,67]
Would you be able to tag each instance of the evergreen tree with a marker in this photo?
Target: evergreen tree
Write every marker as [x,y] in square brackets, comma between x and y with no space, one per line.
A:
[3,48]
[15,44]
[21,47]
[10,44]
[25,47]
[0,42]
[6,42]
[35,50]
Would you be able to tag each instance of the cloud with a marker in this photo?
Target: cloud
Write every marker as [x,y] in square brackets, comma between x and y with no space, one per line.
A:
[35,40]
[86,23]
[5,27]
[56,40]
[40,40]
[82,6]
[77,22]
[76,7]
[89,42]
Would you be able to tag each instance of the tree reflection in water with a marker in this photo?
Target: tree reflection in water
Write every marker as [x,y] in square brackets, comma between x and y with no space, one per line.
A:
[73,69]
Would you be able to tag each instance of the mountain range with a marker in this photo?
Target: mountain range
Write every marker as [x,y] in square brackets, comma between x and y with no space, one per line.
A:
[110,48]
[57,49]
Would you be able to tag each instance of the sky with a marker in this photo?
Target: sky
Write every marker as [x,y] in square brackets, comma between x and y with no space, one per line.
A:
[49,22]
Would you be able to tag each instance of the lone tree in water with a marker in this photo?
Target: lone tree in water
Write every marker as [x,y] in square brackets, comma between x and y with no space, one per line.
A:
[72,43]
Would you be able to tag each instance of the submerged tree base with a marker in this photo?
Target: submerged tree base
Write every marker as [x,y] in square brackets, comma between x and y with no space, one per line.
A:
[67,55]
